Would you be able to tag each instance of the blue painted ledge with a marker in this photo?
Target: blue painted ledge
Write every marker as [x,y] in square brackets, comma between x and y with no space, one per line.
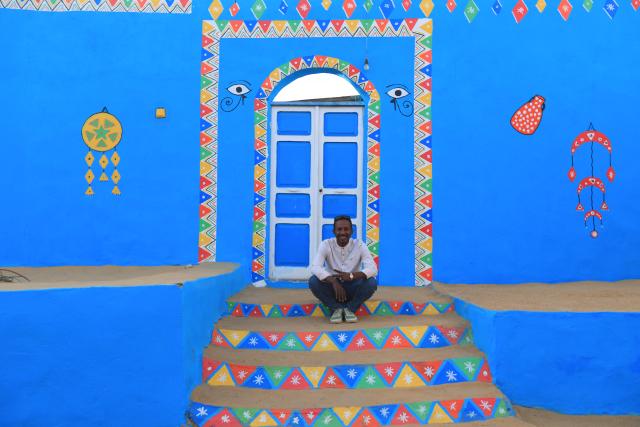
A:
[572,363]
[106,356]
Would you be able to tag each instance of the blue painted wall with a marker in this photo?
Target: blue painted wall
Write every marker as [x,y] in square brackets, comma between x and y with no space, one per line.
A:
[573,363]
[504,209]
[106,356]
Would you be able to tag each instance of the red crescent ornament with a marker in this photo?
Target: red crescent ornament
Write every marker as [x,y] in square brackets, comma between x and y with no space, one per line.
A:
[527,118]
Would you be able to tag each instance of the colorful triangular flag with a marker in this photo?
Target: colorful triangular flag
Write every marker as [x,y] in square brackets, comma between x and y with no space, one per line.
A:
[519,11]
[471,11]
[610,8]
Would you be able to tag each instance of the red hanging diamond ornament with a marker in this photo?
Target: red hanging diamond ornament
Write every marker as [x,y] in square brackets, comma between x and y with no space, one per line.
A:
[406,4]
[564,9]
[635,4]
[303,8]
[572,174]
[349,6]
[611,174]
[234,9]
[519,11]
[451,5]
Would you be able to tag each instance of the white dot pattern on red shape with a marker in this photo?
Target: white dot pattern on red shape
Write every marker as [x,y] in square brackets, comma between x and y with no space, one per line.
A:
[527,118]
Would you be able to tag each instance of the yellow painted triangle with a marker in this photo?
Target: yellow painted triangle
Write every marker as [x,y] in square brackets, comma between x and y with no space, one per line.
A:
[427,27]
[314,374]
[263,420]
[373,234]
[258,172]
[280,26]
[205,168]
[233,336]
[332,62]
[439,416]
[222,377]
[346,413]
[317,312]
[257,240]
[414,333]
[266,308]
[408,378]
[425,99]
[259,131]
[426,245]
[324,344]
[207,27]
[426,170]
[205,96]
[204,239]
[374,164]
[372,305]
[353,24]
[155,3]
[430,310]
[374,96]
[275,75]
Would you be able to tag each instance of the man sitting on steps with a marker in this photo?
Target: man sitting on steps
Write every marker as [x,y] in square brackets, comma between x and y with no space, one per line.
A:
[337,280]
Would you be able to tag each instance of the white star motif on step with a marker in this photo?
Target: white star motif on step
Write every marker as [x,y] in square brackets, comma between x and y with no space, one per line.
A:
[434,338]
[403,417]
[242,374]
[408,378]
[253,341]
[428,371]
[262,418]
[451,376]
[485,405]
[273,337]
[296,420]
[295,380]
[225,418]
[327,419]
[377,335]
[452,407]
[277,375]
[422,409]
[414,334]
[324,343]
[501,411]
[291,342]
[370,379]
[351,373]
[347,413]
[469,366]
[218,339]
[360,342]
[331,380]
[384,412]
[235,336]
[258,380]
[282,415]
[395,340]
[222,378]
[471,414]
[314,375]
[342,337]
[308,338]
[366,419]
[310,415]
[388,371]
[453,333]
[246,414]
[202,412]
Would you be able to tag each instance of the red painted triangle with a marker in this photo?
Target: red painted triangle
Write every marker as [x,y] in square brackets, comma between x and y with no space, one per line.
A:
[204,211]
[209,366]
[308,24]
[360,342]
[205,68]
[426,200]
[418,307]
[369,86]
[427,229]
[206,41]
[266,84]
[235,25]
[375,149]
[256,266]
[427,156]
[285,309]
[256,312]
[203,254]
[425,56]
[485,404]
[204,182]
[388,371]
[141,3]
[374,220]
[184,3]
[451,334]
[361,311]
[453,407]
[395,306]
[337,24]
[282,415]
[259,105]
[411,22]
[224,418]
[258,144]
[375,191]
[218,340]
[365,419]
[427,370]
[295,381]
[381,24]
[237,312]
[241,373]
[257,213]
[375,121]
[264,25]
[427,274]
[310,415]
[273,338]
[205,139]
[205,110]
[308,338]
[426,127]
[111,2]
[403,416]
[257,186]
[485,373]
[308,308]
[321,59]
[331,380]
[426,84]
[295,63]
[353,71]
[396,340]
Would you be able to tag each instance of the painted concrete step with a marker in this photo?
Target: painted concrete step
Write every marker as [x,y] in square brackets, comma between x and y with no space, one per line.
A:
[387,301]
[316,334]
[401,368]
[213,406]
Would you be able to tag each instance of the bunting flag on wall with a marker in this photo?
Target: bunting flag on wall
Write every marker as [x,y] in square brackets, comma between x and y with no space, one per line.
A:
[303,8]
[234,9]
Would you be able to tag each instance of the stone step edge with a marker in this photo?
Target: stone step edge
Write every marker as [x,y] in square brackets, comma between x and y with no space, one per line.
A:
[427,412]
[347,376]
[425,336]
[371,307]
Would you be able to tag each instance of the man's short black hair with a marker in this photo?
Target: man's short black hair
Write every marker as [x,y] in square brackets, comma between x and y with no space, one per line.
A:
[342,218]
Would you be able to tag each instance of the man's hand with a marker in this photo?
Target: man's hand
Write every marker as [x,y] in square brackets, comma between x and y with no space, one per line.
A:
[341,294]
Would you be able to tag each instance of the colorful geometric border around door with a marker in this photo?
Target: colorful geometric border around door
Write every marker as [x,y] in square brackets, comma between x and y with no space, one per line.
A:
[214,31]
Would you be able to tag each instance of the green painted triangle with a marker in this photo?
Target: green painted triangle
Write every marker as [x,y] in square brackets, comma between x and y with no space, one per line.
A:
[113,136]
[426,42]
[245,415]
[89,135]
[384,310]
[469,366]
[277,374]
[258,118]
[230,306]
[342,65]
[426,113]
[257,226]
[325,310]
[291,343]
[204,153]
[441,306]
[374,249]
[222,24]
[367,23]
[108,123]
[421,410]
[128,2]
[380,333]
[95,123]
[467,337]
[275,311]
[204,82]
[426,185]
[327,419]
[294,25]
[375,106]
[102,143]
[375,177]
[427,259]
[502,410]
[285,68]
[370,379]
[204,225]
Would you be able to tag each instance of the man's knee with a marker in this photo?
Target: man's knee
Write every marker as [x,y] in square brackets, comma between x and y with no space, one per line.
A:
[371,284]
[314,282]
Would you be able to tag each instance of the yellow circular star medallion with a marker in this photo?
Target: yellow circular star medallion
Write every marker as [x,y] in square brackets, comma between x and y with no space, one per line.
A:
[102,131]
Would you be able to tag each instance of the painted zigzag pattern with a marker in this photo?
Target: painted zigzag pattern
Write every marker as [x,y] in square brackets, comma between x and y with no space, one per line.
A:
[383,375]
[377,308]
[353,340]
[427,412]
[144,6]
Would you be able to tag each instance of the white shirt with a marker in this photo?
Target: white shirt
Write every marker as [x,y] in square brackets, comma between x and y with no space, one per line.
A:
[331,257]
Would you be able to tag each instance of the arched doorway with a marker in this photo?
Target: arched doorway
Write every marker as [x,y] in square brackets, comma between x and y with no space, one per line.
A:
[306,209]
